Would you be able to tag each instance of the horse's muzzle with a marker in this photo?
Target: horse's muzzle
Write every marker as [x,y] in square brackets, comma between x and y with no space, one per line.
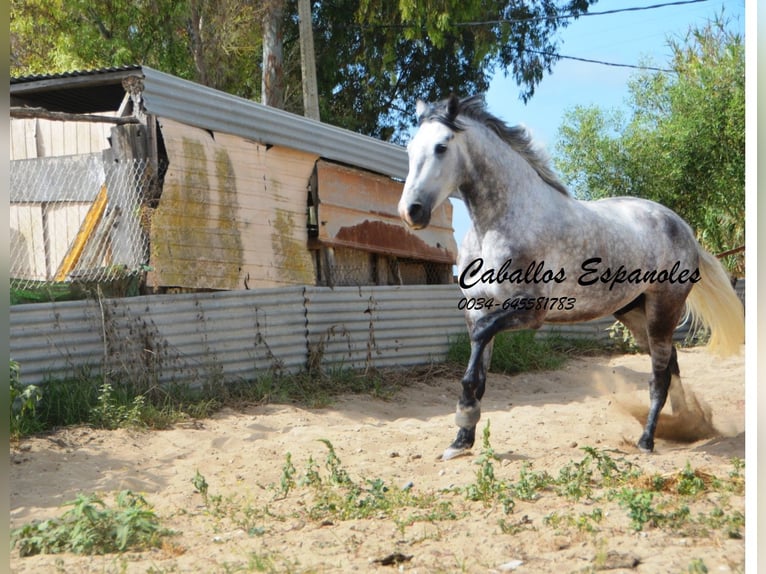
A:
[416,215]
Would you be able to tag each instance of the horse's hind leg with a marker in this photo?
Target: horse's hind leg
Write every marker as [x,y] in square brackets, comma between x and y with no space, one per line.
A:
[652,327]
[662,316]
[658,393]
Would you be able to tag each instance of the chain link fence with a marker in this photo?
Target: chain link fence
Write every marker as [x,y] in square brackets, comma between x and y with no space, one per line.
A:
[379,270]
[77,219]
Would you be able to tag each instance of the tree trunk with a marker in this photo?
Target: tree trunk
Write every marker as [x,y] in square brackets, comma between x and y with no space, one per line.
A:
[272,80]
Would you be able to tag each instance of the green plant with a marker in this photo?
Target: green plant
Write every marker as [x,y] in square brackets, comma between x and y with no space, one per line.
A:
[487,488]
[689,482]
[287,480]
[530,483]
[112,412]
[90,527]
[523,351]
[622,338]
[639,505]
[575,480]
[697,566]
[584,522]
[24,400]
[200,485]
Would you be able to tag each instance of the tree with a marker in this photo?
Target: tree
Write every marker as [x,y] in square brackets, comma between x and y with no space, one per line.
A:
[373,66]
[682,145]
[374,57]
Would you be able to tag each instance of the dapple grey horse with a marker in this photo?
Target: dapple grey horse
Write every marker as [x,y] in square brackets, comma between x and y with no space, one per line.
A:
[537,255]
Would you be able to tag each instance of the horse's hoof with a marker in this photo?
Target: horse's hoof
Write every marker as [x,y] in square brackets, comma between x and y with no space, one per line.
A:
[645,445]
[453,452]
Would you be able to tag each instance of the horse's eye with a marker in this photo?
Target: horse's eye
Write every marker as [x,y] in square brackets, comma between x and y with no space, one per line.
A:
[439,149]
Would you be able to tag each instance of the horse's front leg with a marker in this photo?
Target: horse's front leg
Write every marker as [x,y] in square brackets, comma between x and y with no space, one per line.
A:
[474,380]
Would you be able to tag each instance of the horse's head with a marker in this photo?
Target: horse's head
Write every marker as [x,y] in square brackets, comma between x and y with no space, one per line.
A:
[434,162]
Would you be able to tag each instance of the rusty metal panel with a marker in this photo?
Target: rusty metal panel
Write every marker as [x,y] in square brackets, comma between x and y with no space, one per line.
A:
[232,213]
[381,327]
[358,209]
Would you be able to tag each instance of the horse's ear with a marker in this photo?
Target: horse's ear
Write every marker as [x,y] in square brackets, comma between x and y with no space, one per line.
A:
[420,109]
[452,106]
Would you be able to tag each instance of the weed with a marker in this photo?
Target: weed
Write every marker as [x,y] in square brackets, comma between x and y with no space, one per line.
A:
[639,505]
[287,481]
[697,566]
[24,401]
[622,338]
[689,483]
[530,483]
[575,479]
[487,488]
[523,351]
[90,527]
[111,412]
[584,522]
[200,485]
[338,496]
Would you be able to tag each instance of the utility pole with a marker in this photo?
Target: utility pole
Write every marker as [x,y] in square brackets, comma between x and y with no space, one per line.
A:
[308,61]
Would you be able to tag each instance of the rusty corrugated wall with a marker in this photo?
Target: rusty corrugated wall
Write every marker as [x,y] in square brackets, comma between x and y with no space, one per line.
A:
[359,210]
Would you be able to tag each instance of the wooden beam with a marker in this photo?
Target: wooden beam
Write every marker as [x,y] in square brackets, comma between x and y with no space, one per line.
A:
[91,221]
[24,112]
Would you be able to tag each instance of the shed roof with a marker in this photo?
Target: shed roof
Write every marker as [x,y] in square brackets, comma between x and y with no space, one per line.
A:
[168,96]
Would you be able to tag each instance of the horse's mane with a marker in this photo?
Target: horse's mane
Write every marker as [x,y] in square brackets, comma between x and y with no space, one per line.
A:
[518,137]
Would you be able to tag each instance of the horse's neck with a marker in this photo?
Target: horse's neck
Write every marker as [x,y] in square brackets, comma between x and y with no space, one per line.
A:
[501,185]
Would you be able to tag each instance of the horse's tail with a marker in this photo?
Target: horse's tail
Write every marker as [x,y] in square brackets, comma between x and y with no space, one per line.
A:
[713,304]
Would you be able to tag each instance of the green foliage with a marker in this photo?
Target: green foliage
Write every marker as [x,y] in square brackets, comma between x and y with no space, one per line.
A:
[200,485]
[683,144]
[90,527]
[338,496]
[487,488]
[111,404]
[111,413]
[584,522]
[530,483]
[639,505]
[23,400]
[374,57]
[689,483]
[623,338]
[523,351]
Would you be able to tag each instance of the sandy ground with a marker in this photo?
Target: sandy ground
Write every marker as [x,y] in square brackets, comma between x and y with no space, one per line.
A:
[541,419]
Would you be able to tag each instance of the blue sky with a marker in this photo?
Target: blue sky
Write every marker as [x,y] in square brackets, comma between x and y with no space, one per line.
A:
[625,38]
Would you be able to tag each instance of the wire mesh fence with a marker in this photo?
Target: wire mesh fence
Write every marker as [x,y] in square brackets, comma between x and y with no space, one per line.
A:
[356,267]
[76,219]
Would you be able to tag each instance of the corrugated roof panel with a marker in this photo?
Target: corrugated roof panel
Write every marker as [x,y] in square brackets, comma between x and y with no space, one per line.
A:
[181,100]
[185,101]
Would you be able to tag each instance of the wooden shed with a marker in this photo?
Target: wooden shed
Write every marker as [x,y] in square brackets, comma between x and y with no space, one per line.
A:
[237,195]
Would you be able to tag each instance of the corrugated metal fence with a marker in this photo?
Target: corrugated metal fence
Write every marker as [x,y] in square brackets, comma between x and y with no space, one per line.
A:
[234,335]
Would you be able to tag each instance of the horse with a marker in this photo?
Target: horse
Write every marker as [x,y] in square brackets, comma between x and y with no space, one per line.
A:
[535,254]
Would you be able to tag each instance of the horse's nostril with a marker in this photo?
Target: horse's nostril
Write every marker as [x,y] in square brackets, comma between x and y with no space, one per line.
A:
[415,211]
